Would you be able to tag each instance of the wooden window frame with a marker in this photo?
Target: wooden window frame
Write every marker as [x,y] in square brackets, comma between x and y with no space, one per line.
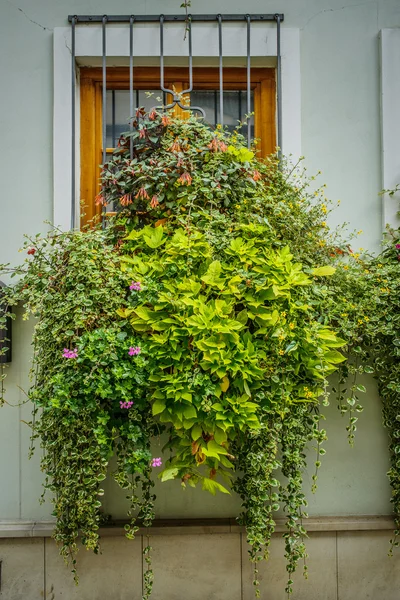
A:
[148,78]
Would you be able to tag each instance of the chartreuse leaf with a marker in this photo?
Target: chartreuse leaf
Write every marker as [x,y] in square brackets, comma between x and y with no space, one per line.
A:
[158,406]
[212,486]
[196,432]
[170,473]
[154,236]
[212,275]
[323,271]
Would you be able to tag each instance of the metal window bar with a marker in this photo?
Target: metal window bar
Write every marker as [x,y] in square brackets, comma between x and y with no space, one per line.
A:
[221,73]
[248,84]
[131,108]
[176,98]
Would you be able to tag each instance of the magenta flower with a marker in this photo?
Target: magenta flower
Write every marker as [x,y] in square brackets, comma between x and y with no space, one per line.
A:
[127,404]
[134,350]
[70,353]
[135,286]
[156,462]
[397,246]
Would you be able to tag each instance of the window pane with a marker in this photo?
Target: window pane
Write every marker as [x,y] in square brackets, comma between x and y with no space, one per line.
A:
[235,107]
[118,110]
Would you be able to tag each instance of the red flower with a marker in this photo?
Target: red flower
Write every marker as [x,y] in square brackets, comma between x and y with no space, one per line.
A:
[31,251]
[142,194]
[185,178]
[154,202]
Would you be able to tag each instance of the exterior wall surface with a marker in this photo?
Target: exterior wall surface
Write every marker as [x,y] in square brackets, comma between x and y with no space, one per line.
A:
[342,566]
[341,136]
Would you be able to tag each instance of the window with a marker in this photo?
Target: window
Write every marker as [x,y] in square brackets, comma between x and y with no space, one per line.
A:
[147,79]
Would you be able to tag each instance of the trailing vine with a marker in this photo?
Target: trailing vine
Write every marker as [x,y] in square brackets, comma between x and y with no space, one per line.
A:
[214,306]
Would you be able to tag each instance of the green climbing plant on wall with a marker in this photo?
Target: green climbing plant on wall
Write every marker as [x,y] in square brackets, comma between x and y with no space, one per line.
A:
[213,307]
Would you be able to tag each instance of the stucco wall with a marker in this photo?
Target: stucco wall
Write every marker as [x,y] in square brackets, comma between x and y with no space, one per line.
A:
[340,118]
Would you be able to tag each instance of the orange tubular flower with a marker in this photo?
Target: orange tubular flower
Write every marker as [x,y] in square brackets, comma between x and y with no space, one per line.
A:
[175,147]
[185,179]
[99,199]
[142,194]
[152,115]
[154,202]
[165,120]
[256,175]
[125,200]
[215,145]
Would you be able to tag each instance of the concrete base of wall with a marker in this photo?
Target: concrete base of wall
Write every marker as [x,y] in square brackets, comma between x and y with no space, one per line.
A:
[343,565]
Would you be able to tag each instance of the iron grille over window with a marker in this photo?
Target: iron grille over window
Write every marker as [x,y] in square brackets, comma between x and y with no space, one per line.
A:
[219,96]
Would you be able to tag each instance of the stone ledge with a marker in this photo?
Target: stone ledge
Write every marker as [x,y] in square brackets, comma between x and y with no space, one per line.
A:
[17,529]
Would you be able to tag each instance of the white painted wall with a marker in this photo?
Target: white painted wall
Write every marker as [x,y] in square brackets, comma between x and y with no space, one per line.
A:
[340,134]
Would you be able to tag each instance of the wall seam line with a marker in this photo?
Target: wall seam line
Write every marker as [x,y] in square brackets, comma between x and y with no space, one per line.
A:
[241,565]
[141,541]
[337,567]
[44,570]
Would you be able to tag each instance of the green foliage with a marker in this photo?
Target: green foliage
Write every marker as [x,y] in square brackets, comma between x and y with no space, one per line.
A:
[214,307]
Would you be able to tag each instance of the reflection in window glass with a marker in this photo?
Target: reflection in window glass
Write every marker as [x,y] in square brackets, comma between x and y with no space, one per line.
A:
[117,110]
[235,108]
[117,113]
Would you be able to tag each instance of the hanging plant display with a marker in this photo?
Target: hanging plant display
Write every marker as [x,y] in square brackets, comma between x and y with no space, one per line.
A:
[209,308]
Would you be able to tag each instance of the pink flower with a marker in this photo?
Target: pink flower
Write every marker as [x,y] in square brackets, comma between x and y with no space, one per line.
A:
[134,351]
[397,247]
[156,462]
[135,286]
[127,404]
[70,353]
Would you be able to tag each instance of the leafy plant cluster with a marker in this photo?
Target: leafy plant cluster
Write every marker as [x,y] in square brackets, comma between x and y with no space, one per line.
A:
[214,306]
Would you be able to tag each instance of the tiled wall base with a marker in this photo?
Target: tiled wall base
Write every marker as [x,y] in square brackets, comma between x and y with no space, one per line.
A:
[342,565]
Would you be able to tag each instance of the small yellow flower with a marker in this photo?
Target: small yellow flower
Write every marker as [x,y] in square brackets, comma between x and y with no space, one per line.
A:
[324,209]
[345,267]
[323,223]
[321,243]
[366,319]
[237,206]
[284,314]
[281,337]
[291,325]
[359,232]
[281,352]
